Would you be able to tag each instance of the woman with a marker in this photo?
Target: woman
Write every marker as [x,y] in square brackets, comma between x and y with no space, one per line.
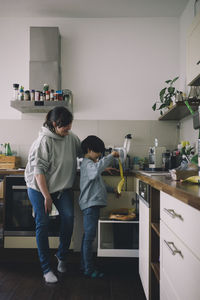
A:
[49,175]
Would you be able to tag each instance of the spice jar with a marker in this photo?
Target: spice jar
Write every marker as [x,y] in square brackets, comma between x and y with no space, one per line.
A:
[32,95]
[21,93]
[37,96]
[42,96]
[47,95]
[16,91]
[51,95]
[27,95]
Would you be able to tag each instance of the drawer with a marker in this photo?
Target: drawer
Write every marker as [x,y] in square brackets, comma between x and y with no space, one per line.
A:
[179,272]
[183,219]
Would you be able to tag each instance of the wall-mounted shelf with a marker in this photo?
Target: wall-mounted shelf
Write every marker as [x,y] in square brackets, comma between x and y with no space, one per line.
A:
[179,111]
[39,106]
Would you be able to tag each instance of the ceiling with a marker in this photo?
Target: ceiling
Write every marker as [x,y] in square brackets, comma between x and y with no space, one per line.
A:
[92,8]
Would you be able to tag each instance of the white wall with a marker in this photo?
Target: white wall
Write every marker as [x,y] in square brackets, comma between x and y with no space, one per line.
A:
[115,67]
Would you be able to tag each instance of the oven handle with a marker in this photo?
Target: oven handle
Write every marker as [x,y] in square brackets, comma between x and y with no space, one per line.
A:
[19,187]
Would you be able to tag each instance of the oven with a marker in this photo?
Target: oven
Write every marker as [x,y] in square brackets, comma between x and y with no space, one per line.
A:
[18,215]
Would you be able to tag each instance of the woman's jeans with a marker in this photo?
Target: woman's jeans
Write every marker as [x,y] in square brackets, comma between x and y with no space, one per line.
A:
[90,222]
[65,206]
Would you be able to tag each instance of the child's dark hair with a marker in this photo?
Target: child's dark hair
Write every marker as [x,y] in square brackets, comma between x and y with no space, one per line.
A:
[60,115]
[93,143]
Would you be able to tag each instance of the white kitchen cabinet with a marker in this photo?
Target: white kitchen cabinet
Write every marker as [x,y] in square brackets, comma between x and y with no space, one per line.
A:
[183,219]
[180,268]
[179,250]
[193,51]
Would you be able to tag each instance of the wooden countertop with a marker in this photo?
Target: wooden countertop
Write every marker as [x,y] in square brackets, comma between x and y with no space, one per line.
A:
[186,192]
[11,171]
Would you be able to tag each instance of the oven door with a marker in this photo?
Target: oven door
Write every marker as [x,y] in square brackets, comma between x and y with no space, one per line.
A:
[19,217]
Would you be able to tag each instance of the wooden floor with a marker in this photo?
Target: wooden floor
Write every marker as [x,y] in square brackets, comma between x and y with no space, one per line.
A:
[21,279]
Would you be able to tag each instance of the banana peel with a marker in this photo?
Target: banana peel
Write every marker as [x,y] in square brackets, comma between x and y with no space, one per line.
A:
[192,179]
[122,181]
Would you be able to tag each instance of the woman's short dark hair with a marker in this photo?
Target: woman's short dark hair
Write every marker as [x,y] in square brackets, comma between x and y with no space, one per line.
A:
[60,115]
[93,143]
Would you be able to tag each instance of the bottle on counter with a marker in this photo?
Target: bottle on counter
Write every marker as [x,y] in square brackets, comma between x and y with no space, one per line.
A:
[8,151]
[32,94]
[47,95]
[37,95]
[27,95]
[15,91]
[21,93]
[51,95]
[42,96]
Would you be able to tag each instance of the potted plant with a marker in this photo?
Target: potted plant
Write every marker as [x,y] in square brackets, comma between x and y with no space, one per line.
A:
[167,95]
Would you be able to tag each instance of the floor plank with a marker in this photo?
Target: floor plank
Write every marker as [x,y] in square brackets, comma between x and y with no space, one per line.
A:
[21,279]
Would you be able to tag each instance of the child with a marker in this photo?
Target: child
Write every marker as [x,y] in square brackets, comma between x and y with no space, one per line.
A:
[92,197]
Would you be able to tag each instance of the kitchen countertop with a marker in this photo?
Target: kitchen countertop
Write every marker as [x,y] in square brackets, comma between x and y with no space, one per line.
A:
[188,193]
[11,171]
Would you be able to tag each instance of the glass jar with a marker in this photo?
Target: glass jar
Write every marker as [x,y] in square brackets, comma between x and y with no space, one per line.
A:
[15,91]
[37,96]
[27,95]
[32,95]
[47,95]
[51,95]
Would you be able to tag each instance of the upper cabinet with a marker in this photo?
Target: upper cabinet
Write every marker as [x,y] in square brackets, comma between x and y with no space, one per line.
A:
[193,52]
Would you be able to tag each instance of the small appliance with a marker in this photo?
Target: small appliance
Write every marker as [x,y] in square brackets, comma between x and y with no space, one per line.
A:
[123,151]
[155,156]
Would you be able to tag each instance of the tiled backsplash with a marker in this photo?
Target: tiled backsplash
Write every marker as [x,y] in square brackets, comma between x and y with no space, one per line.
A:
[21,133]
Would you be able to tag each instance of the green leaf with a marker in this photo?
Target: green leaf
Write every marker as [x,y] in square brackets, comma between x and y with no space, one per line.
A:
[174,79]
[154,107]
[171,89]
[162,92]
[162,106]
[168,81]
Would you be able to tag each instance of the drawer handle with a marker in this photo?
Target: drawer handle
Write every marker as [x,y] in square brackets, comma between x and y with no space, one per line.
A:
[198,62]
[173,214]
[175,250]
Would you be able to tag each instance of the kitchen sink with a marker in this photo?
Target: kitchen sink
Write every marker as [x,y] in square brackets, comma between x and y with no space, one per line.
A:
[155,173]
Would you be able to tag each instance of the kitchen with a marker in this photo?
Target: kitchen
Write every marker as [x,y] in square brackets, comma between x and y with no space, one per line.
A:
[115,67]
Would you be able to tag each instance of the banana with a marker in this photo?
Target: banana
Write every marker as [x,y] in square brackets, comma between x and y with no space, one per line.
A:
[193,179]
[121,183]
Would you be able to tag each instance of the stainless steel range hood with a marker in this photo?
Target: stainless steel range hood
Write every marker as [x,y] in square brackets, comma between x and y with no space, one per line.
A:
[44,66]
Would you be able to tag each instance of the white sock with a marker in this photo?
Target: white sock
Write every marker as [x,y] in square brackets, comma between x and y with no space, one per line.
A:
[50,277]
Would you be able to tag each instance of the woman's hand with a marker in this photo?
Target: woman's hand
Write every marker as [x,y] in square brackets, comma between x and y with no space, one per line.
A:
[41,181]
[48,204]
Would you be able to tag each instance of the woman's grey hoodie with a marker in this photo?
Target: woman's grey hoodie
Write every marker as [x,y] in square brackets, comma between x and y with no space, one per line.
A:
[55,157]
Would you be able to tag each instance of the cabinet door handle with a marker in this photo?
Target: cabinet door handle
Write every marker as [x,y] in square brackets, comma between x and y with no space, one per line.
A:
[173,214]
[198,62]
[175,250]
